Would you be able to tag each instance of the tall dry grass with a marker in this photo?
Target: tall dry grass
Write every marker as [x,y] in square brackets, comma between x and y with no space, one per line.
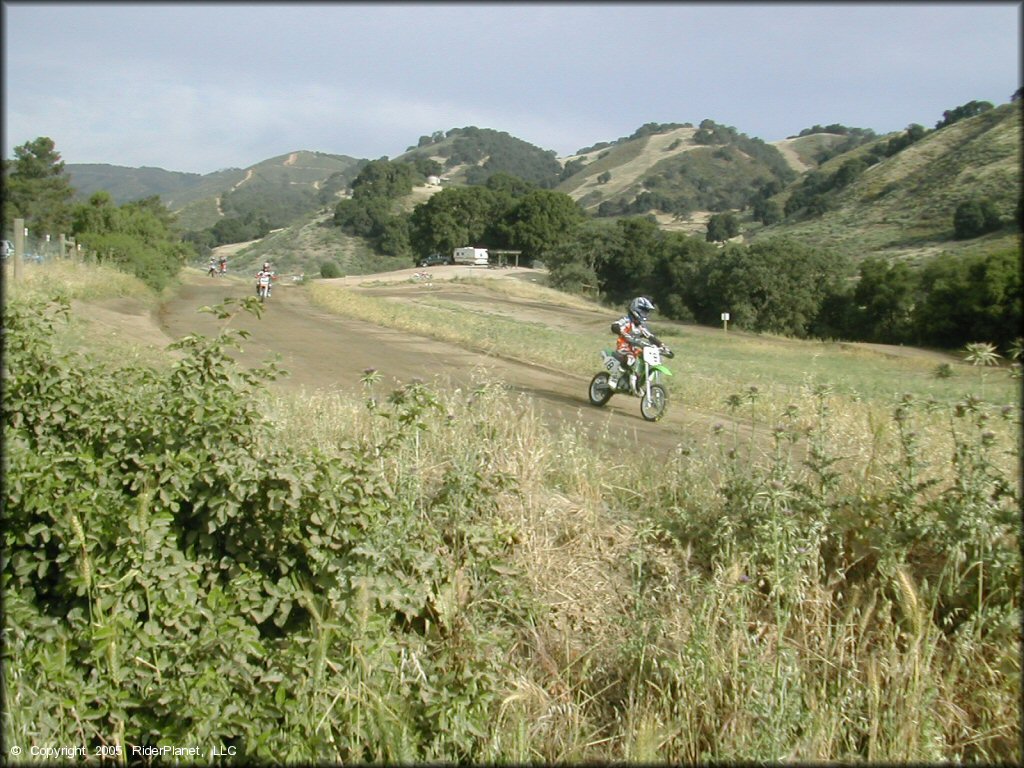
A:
[74,280]
[682,613]
[812,600]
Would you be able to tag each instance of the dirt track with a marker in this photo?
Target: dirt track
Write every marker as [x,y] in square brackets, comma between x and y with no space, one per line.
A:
[325,351]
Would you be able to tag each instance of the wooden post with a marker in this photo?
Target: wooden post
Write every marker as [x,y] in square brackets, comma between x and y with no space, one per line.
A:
[19,247]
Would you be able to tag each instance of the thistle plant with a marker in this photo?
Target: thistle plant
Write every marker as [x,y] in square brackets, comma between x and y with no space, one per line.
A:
[982,354]
[1016,352]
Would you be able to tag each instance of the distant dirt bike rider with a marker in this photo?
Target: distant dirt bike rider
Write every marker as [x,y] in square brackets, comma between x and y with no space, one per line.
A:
[264,278]
[632,329]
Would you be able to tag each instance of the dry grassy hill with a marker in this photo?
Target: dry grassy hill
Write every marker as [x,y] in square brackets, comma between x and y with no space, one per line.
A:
[627,163]
[902,207]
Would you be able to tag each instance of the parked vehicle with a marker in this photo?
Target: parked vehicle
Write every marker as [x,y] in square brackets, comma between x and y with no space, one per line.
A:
[434,260]
[614,380]
[473,256]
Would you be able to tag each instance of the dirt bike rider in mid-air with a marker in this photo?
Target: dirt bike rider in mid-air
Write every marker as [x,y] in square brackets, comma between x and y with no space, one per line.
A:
[632,329]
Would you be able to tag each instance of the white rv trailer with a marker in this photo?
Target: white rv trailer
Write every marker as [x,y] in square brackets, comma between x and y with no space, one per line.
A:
[475,256]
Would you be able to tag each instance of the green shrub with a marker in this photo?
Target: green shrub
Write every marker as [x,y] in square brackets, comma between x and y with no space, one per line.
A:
[974,218]
[329,269]
[177,575]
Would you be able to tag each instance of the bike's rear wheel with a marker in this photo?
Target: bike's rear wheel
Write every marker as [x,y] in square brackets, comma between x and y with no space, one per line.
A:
[653,407]
[600,390]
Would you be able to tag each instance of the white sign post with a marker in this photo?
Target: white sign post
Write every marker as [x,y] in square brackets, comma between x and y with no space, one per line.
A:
[725,322]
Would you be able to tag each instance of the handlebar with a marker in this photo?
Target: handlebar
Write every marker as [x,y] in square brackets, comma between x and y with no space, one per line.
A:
[642,342]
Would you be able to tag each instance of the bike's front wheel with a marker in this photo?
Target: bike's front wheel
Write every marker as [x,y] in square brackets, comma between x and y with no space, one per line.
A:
[652,407]
[600,389]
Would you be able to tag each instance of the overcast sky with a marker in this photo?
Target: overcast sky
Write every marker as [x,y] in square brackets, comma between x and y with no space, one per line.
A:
[200,87]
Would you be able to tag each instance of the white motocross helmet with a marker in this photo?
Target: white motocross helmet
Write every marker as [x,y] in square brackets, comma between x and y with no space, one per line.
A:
[639,309]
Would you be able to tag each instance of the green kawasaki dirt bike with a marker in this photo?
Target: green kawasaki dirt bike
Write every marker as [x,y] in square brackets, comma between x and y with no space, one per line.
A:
[614,379]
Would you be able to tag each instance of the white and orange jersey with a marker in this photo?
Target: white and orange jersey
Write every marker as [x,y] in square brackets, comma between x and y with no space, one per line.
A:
[629,331]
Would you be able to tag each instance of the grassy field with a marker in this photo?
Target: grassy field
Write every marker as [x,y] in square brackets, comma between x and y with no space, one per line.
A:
[711,367]
[855,602]
[726,359]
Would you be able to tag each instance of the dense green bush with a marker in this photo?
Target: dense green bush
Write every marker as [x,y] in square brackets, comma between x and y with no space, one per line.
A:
[721,227]
[964,300]
[136,237]
[239,229]
[176,575]
[974,218]
[329,269]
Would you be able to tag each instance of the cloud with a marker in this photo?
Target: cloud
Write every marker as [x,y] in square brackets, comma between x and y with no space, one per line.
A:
[197,87]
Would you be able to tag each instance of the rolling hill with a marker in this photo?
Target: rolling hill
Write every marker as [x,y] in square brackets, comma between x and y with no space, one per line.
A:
[285,187]
[471,155]
[124,184]
[900,207]
[675,169]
